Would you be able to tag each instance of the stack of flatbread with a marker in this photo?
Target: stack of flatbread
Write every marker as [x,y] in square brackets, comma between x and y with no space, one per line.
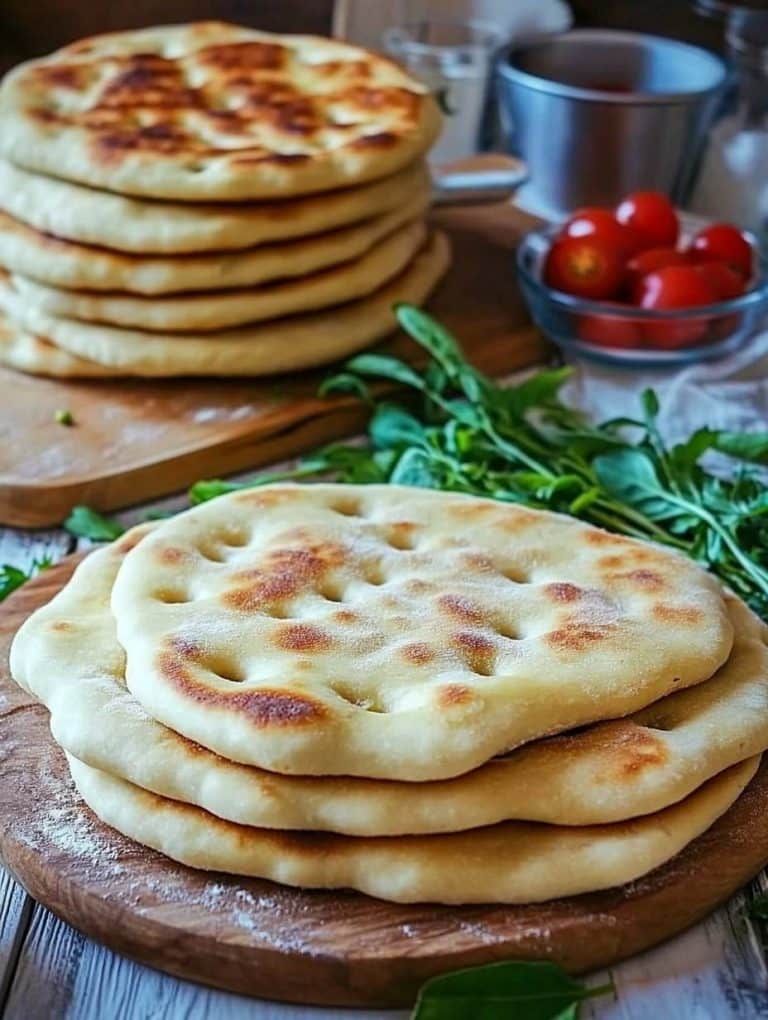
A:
[208,199]
[422,696]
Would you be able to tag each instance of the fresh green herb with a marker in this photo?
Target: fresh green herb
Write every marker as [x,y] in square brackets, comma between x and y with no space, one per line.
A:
[758,908]
[12,578]
[86,523]
[500,991]
[64,417]
[464,432]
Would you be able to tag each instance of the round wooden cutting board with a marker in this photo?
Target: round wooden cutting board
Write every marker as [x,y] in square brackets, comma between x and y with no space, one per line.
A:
[332,948]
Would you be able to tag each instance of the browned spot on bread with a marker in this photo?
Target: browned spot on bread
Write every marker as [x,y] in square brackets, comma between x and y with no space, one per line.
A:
[687,615]
[284,574]
[418,587]
[170,555]
[62,76]
[418,652]
[264,706]
[597,537]
[381,140]
[346,616]
[246,56]
[461,608]
[266,497]
[635,748]
[302,637]
[478,562]
[454,694]
[477,650]
[575,637]
[650,580]
[62,626]
[563,591]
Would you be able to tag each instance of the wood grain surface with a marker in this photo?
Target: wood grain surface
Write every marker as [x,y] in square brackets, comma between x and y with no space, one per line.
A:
[333,948]
[135,440]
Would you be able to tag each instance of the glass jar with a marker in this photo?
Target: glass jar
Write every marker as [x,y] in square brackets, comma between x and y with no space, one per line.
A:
[732,183]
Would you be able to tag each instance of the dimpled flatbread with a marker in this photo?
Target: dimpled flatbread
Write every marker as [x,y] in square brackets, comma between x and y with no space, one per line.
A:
[400,633]
[515,862]
[67,655]
[212,111]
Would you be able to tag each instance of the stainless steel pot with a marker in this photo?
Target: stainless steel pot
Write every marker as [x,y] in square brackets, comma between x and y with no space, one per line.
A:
[596,114]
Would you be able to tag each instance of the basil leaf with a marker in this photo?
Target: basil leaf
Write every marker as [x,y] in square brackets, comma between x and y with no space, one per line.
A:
[86,523]
[12,578]
[503,991]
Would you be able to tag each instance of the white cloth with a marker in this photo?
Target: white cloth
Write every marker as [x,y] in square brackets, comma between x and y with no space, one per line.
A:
[731,393]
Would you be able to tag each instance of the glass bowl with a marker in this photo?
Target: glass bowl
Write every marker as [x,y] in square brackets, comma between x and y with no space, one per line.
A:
[621,333]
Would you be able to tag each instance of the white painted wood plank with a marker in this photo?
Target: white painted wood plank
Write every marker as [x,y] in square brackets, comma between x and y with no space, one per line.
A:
[62,975]
[22,548]
[705,974]
[15,913]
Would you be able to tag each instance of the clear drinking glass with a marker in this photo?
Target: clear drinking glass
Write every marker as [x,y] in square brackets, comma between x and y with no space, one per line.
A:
[454,59]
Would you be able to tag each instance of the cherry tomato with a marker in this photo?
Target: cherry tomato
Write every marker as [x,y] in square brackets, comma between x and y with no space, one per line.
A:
[723,279]
[724,243]
[585,266]
[652,217]
[676,287]
[595,222]
[649,261]
[610,331]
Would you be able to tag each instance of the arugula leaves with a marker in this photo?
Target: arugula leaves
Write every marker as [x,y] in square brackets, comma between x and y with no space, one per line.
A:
[86,523]
[758,908]
[460,431]
[499,991]
[12,578]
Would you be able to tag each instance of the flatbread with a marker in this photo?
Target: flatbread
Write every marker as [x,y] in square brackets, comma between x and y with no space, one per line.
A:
[76,213]
[516,862]
[28,353]
[58,263]
[212,111]
[283,345]
[67,655]
[215,310]
[401,633]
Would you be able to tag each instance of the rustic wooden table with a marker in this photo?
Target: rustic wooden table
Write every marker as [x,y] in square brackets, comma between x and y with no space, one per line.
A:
[48,971]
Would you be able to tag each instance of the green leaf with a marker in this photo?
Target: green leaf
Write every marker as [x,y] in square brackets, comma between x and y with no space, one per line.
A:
[86,523]
[344,382]
[415,468]
[536,391]
[514,990]
[386,367]
[392,425]
[751,446]
[210,488]
[12,578]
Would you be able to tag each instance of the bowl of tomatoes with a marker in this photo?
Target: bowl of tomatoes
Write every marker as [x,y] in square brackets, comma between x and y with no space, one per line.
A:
[644,283]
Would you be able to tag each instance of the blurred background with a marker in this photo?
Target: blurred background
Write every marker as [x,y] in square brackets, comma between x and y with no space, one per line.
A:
[32,29]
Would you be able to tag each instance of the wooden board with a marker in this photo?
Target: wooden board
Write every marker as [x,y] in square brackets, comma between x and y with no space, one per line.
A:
[334,948]
[135,440]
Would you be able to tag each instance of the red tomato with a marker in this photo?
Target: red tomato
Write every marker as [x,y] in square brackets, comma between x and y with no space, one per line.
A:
[585,266]
[724,280]
[652,217]
[595,222]
[724,243]
[610,331]
[648,262]
[676,287]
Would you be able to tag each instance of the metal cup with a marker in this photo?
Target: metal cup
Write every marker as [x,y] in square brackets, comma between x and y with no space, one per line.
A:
[596,114]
